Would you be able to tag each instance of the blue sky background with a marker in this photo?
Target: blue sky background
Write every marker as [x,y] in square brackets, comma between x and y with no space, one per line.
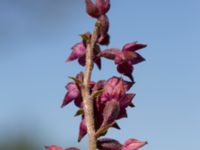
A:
[35,40]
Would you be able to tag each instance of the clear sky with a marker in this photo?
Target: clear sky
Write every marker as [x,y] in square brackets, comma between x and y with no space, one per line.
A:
[35,40]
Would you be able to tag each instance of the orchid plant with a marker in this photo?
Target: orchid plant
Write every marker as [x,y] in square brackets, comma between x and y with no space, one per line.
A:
[100,104]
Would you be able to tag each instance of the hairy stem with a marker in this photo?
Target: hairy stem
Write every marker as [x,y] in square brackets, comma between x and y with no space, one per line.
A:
[87,101]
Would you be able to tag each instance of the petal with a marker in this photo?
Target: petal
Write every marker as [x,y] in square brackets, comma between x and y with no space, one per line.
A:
[82,130]
[116,126]
[110,112]
[128,56]
[110,85]
[80,76]
[104,23]
[79,102]
[126,69]
[133,144]
[110,53]
[78,50]
[54,147]
[92,9]
[108,144]
[72,148]
[126,100]
[133,46]
[137,59]
[120,58]
[128,85]
[99,86]
[72,93]
[103,38]
[103,6]
[81,60]
[122,113]
[119,90]
[96,58]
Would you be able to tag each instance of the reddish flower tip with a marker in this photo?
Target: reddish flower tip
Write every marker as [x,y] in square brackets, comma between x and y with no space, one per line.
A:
[82,130]
[101,7]
[133,46]
[73,92]
[54,147]
[133,144]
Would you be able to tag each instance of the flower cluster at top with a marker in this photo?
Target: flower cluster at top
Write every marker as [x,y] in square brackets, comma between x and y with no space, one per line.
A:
[111,97]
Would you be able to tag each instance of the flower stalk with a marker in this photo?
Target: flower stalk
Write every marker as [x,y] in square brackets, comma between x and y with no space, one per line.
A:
[102,103]
[87,99]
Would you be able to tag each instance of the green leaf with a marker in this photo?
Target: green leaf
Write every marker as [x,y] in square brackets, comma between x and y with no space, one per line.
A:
[76,80]
[104,129]
[79,112]
[84,37]
[97,93]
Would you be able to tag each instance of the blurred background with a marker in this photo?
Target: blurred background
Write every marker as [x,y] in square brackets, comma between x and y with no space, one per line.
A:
[35,40]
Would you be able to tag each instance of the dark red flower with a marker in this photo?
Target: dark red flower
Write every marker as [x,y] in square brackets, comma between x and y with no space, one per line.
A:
[108,144]
[115,89]
[112,144]
[103,37]
[111,104]
[133,144]
[79,52]
[125,58]
[97,9]
[82,129]
[73,92]
[54,147]
[72,148]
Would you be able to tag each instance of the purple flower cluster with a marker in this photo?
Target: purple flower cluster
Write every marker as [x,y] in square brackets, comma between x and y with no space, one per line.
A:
[110,97]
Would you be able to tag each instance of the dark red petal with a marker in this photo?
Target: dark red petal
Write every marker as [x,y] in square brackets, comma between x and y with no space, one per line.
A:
[126,69]
[72,93]
[128,85]
[119,90]
[92,9]
[131,105]
[79,102]
[96,58]
[99,86]
[133,46]
[72,148]
[128,56]
[78,50]
[103,30]
[108,144]
[116,126]
[98,62]
[110,53]
[133,144]
[137,59]
[108,93]
[81,60]
[120,58]
[54,147]
[82,130]
[104,23]
[104,39]
[110,112]
[126,100]
[103,6]
[80,76]
[122,114]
